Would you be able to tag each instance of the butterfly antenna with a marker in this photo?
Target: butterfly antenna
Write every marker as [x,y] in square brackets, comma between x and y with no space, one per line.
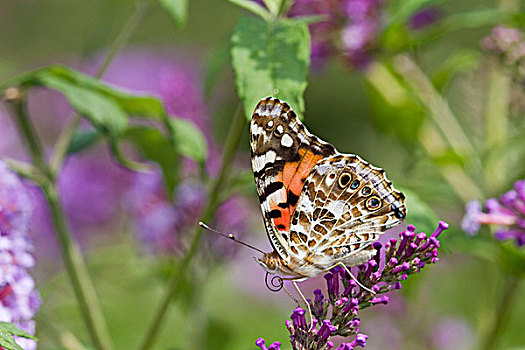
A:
[230,236]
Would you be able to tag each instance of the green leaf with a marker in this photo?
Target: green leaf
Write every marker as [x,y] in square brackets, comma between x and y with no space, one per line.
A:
[271,59]
[83,139]
[14,330]
[141,106]
[448,157]
[460,61]
[8,342]
[7,331]
[254,8]
[178,10]
[156,147]
[108,109]
[512,258]
[104,113]
[189,140]
[274,6]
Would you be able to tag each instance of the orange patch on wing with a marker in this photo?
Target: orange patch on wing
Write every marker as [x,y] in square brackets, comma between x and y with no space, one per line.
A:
[282,223]
[293,175]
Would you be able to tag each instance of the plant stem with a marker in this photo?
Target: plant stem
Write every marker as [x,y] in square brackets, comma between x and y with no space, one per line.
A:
[122,38]
[499,313]
[439,109]
[432,141]
[71,254]
[232,142]
[29,135]
[496,107]
[77,271]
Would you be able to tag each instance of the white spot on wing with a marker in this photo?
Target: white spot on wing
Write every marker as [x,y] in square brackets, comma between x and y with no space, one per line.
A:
[286,141]
[330,181]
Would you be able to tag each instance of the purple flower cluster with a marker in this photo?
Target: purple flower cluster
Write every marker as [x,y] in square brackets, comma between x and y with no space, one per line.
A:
[381,274]
[350,28]
[19,301]
[507,213]
[508,44]
[161,222]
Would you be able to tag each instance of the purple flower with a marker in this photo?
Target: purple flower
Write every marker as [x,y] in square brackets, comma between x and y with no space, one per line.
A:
[19,301]
[451,333]
[509,45]
[424,18]
[470,223]
[275,346]
[91,188]
[161,222]
[383,273]
[507,213]
[350,29]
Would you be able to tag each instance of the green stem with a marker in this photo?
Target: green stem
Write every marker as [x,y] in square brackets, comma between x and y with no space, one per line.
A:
[122,38]
[388,85]
[30,137]
[232,142]
[496,107]
[439,109]
[71,254]
[77,271]
[499,313]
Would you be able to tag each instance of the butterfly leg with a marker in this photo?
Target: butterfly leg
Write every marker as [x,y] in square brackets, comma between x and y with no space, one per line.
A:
[294,282]
[355,279]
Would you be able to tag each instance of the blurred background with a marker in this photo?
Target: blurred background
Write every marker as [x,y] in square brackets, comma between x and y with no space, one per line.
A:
[379,105]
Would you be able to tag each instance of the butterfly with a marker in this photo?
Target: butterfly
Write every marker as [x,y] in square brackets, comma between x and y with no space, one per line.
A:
[321,208]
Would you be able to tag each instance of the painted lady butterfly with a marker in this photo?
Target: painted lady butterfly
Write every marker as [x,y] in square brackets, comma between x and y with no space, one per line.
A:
[321,208]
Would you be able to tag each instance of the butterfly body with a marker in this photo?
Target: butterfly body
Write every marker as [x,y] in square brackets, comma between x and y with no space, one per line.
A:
[320,207]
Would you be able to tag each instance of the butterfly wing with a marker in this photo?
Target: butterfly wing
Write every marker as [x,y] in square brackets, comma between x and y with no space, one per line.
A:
[283,153]
[345,205]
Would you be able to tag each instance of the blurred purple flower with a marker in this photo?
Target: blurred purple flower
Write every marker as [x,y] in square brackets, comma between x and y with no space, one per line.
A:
[509,45]
[19,301]
[91,187]
[346,298]
[161,222]
[470,223]
[507,213]
[451,333]
[349,29]
[424,18]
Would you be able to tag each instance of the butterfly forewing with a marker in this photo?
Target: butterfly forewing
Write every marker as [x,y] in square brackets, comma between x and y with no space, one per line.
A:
[283,154]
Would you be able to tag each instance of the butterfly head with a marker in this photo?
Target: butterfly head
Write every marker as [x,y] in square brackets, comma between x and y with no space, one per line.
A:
[270,262]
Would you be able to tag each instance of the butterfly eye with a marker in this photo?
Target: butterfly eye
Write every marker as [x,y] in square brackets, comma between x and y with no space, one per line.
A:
[354,184]
[279,130]
[373,203]
[344,179]
[366,191]
[269,125]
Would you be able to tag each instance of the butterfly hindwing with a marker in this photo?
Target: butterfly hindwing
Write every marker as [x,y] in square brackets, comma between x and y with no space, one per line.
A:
[283,154]
[345,205]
